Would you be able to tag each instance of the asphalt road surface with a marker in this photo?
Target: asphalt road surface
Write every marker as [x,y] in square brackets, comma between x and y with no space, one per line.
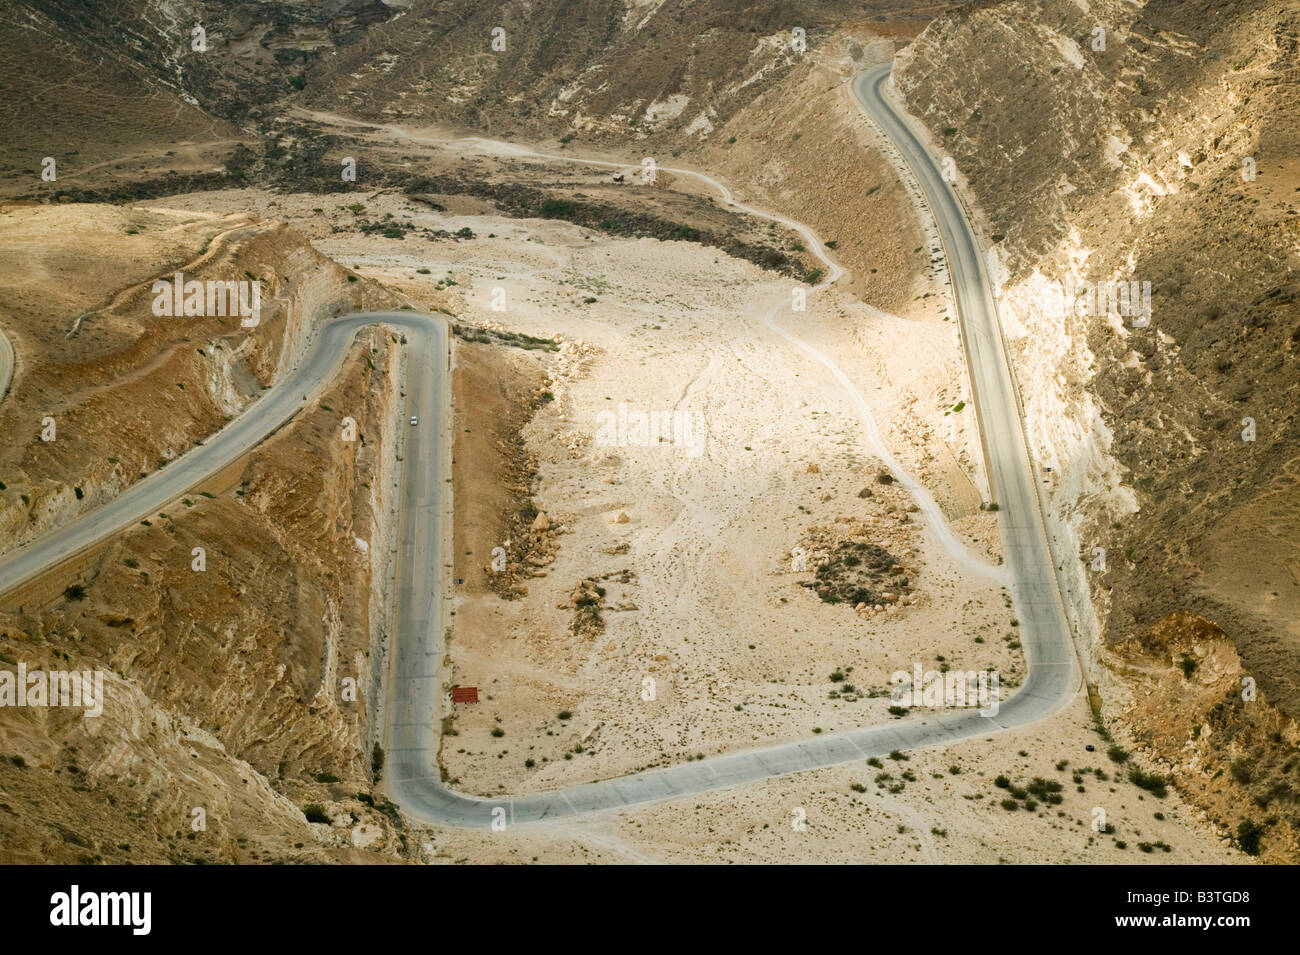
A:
[413,701]
[1053,675]
[317,369]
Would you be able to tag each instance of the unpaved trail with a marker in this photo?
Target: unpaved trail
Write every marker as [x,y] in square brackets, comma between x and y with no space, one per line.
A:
[936,525]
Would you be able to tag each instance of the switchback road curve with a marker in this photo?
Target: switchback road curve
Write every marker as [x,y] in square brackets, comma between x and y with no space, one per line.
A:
[413,688]
[1052,677]
[324,356]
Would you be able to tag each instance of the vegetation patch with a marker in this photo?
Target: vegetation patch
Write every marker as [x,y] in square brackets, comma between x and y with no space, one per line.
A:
[859,572]
[496,336]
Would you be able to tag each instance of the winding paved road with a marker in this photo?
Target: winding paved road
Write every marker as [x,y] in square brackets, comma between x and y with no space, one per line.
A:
[1049,653]
[318,367]
[413,688]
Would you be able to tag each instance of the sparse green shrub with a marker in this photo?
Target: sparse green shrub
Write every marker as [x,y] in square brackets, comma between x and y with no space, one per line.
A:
[557,208]
[1242,769]
[1153,783]
[1249,834]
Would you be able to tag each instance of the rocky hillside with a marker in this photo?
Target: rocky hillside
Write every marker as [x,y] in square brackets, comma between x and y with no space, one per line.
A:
[1172,157]
[224,682]
[124,84]
[107,392]
[227,689]
[130,87]
[666,70]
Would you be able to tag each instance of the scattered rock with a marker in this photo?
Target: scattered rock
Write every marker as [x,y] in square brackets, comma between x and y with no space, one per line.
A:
[587,601]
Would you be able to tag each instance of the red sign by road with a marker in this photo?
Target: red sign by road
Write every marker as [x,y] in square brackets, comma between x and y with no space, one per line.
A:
[464,694]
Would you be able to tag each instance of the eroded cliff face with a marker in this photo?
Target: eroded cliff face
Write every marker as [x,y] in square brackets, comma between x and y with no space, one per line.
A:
[241,632]
[98,81]
[107,391]
[1127,142]
[590,67]
[1238,761]
[243,686]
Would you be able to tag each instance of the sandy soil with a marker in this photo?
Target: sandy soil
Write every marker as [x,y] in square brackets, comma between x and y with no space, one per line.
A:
[657,602]
[708,539]
[950,811]
[700,591]
[775,458]
[702,639]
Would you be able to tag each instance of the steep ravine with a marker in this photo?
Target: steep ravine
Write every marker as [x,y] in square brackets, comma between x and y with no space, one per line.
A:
[1142,176]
